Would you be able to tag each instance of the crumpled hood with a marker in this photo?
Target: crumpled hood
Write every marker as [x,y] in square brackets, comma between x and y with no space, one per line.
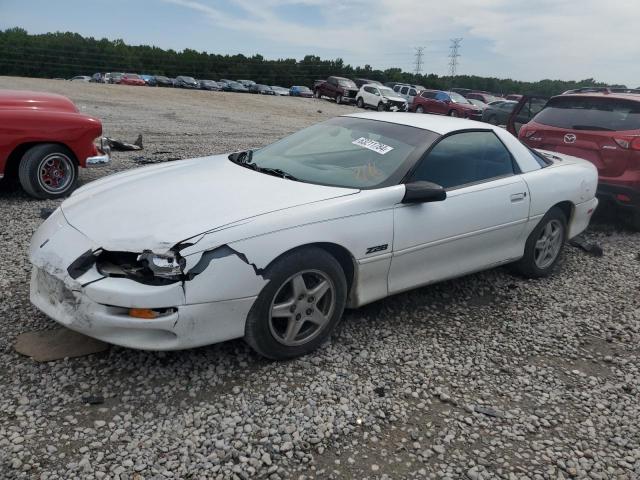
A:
[156,207]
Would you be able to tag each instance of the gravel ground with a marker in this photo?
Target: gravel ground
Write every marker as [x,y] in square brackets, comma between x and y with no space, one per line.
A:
[488,376]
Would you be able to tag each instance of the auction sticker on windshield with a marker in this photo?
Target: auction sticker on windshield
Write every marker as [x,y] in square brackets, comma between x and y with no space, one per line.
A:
[372,145]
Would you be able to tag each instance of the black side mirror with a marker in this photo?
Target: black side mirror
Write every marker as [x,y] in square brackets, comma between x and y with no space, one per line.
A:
[422,192]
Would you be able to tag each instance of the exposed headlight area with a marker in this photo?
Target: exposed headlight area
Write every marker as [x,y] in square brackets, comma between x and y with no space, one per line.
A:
[147,267]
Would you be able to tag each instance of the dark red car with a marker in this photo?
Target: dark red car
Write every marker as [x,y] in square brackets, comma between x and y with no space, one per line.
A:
[601,127]
[445,103]
[43,141]
[132,79]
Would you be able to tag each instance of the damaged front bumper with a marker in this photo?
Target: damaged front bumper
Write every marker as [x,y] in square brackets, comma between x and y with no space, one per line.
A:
[206,309]
[104,157]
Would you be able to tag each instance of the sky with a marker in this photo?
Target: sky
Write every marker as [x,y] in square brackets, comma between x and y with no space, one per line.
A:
[519,39]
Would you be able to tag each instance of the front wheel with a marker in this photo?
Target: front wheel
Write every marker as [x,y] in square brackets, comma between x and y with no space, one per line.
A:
[381,107]
[339,99]
[360,102]
[299,307]
[419,109]
[544,246]
[453,113]
[317,93]
[48,170]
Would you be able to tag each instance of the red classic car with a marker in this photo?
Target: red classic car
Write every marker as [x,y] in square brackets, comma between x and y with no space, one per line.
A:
[44,139]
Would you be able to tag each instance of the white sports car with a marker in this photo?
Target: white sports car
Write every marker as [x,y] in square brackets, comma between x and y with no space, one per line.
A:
[272,244]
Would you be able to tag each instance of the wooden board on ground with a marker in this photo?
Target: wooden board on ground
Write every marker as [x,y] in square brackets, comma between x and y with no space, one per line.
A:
[48,345]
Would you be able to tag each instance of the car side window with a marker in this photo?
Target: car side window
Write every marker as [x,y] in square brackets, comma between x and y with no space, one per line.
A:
[404,90]
[465,158]
[412,92]
[368,89]
[441,96]
[333,81]
[427,95]
[396,88]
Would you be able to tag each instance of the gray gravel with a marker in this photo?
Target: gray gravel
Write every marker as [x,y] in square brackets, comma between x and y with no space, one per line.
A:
[488,376]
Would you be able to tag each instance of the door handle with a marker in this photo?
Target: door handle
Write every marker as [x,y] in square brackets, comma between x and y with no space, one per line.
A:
[518,197]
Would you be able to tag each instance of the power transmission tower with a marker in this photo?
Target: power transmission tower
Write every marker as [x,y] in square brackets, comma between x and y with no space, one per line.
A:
[419,54]
[453,58]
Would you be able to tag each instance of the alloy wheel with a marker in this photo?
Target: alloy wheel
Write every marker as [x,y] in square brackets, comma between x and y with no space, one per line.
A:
[302,307]
[549,244]
[55,173]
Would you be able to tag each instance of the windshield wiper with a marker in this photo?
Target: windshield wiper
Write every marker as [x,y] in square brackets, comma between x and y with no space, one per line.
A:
[244,160]
[276,172]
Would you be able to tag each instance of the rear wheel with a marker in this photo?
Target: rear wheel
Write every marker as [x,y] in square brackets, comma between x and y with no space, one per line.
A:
[544,246]
[360,102]
[48,171]
[299,307]
[419,109]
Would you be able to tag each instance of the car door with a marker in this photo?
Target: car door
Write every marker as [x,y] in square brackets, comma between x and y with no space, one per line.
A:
[426,100]
[527,108]
[441,104]
[369,96]
[480,224]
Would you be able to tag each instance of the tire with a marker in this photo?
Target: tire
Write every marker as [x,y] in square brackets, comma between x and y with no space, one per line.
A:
[316,94]
[381,107]
[530,265]
[360,102]
[48,171]
[338,99]
[419,109]
[453,113]
[275,337]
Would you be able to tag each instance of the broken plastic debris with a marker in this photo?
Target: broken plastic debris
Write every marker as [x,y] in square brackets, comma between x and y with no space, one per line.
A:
[124,146]
[591,248]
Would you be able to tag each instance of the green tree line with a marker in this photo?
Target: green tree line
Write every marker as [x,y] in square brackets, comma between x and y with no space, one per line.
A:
[66,54]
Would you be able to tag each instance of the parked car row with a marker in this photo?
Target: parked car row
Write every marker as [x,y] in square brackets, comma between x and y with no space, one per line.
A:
[183,81]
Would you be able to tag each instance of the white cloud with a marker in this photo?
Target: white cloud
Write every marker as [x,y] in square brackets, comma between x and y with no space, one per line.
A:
[565,39]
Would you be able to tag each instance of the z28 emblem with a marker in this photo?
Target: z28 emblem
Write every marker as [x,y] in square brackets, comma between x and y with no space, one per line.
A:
[377,248]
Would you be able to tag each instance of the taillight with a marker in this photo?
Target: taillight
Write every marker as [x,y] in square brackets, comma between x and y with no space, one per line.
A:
[623,142]
[627,143]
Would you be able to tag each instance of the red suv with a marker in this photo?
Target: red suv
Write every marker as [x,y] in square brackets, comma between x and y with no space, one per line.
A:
[601,127]
[445,103]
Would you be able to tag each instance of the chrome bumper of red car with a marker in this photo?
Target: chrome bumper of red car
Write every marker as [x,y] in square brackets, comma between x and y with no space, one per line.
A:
[105,155]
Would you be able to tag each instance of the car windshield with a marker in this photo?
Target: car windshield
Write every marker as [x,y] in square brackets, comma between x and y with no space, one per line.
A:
[345,152]
[591,113]
[457,98]
[303,89]
[133,75]
[477,103]
[188,79]
[346,83]
[387,92]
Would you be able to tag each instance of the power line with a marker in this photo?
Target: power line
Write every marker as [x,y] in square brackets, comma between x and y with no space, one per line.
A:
[453,58]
